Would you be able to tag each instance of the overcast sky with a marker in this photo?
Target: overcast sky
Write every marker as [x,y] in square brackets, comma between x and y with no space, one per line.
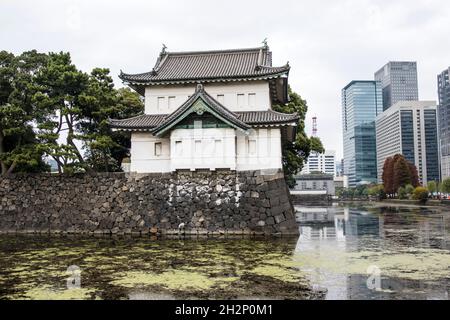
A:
[328,43]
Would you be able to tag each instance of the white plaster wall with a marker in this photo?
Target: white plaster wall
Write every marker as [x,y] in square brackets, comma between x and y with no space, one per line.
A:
[212,148]
[179,94]
[143,158]
[268,150]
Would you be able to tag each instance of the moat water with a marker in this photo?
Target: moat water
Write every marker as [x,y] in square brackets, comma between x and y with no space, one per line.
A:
[343,252]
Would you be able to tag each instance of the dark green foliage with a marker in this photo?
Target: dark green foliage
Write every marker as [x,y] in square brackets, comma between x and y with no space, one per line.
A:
[60,86]
[99,103]
[19,150]
[445,186]
[402,193]
[432,186]
[47,104]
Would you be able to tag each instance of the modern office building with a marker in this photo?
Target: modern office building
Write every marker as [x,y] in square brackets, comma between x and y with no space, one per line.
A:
[361,104]
[444,121]
[399,82]
[321,162]
[410,128]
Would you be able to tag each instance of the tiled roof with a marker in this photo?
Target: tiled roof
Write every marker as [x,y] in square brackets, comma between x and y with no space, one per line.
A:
[145,121]
[252,118]
[267,117]
[223,65]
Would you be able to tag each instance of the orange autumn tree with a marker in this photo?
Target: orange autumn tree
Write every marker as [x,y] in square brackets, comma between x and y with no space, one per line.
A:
[398,172]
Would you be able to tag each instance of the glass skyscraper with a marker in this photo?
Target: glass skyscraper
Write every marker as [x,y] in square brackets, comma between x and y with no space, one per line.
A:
[444,121]
[361,104]
[399,82]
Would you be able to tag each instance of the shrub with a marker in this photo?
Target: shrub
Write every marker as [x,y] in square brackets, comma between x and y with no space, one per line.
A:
[432,186]
[402,193]
[421,194]
[377,191]
[409,189]
[445,186]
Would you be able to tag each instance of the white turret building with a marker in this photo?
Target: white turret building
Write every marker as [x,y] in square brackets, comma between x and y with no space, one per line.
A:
[210,110]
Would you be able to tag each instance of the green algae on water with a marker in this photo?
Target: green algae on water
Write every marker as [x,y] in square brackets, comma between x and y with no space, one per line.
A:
[174,280]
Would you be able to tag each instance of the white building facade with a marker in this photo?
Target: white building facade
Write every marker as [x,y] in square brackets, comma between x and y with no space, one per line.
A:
[409,128]
[210,110]
[314,184]
[321,162]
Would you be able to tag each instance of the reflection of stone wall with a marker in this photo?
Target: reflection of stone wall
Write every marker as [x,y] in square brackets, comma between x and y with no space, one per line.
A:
[311,199]
[206,202]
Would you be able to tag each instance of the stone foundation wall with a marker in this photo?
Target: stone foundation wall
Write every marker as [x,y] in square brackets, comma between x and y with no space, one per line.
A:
[220,202]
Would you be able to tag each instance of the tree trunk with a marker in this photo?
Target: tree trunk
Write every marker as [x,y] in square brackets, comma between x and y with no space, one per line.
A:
[59,163]
[72,143]
[11,168]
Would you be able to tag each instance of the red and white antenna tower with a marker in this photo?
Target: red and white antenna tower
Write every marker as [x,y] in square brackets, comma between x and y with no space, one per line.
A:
[314,126]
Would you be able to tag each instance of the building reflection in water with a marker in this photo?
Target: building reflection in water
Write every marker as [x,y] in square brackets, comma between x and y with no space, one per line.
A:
[327,233]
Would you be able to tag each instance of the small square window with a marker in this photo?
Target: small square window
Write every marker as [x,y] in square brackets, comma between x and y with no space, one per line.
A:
[198,147]
[158,149]
[171,102]
[161,103]
[251,99]
[178,148]
[221,98]
[241,100]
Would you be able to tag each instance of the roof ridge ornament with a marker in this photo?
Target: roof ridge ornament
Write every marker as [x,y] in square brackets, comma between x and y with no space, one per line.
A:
[260,62]
[199,87]
[163,50]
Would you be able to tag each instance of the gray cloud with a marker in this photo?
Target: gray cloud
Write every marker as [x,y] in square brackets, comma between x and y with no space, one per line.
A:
[328,43]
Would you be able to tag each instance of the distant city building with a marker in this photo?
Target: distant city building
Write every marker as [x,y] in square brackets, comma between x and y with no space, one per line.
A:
[410,128]
[341,182]
[319,183]
[321,162]
[399,82]
[444,121]
[339,167]
[361,104]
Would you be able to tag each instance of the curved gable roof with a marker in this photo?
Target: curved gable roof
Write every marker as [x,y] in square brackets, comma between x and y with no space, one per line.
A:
[200,102]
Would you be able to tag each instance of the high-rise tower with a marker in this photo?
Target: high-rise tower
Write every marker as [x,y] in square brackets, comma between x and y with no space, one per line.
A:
[444,121]
[399,82]
[361,104]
